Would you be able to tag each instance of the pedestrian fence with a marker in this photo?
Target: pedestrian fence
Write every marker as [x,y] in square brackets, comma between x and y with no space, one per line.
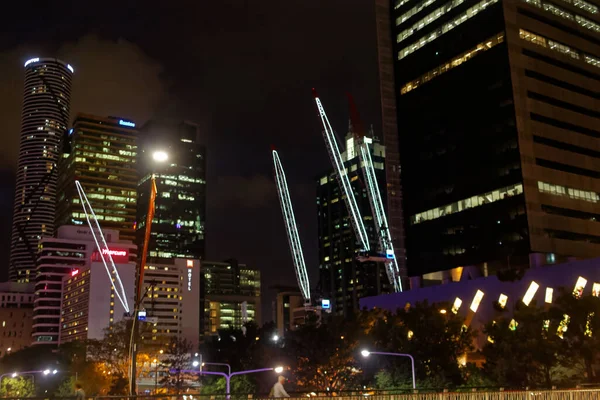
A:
[571,394]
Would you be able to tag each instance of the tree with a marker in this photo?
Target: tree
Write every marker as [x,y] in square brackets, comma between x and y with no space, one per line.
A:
[241,385]
[528,353]
[177,358]
[436,341]
[21,386]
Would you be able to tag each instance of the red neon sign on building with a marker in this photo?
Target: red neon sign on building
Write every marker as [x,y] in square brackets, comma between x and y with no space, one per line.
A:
[118,255]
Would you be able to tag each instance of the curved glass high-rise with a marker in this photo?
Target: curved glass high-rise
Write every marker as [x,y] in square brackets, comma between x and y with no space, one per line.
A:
[45,115]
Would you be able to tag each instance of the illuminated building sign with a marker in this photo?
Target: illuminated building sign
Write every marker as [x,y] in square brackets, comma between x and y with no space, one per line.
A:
[127,123]
[70,68]
[190,265]
[32,60]
[325,304]
[142,315]
[118,255]
[74,272]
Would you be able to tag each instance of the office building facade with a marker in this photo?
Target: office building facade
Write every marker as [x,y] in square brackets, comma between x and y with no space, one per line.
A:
[343,279]
[16,312]
[286,316]
[497,123]
[89,303]
[45,117]
[101,153]
[179,220]
[172,302]
[73,249]
[229,296]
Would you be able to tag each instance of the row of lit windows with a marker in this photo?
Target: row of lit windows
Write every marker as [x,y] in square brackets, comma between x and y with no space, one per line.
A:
[470,202]
[448,26]
[455,62]
[576,194]
[560,12]
[558,47]
[100,217]
[428,19]
[416,9]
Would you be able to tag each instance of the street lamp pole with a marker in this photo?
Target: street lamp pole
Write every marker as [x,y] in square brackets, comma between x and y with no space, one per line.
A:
[221,364]
[367,353]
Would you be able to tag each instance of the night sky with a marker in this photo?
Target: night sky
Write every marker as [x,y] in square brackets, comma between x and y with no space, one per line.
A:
[242,69]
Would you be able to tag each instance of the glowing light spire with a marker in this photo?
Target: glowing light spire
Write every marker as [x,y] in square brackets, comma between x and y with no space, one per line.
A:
[342,176]
[291,228]
[102,246]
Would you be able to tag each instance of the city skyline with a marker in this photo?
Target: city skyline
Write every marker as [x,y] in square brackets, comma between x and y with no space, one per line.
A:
[238,164]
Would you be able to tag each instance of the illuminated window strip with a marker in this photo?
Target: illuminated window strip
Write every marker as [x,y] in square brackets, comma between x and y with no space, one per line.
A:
[448,26]
[400,4]
[468,203]
[413,10]
[584,5]
[428,19]
[561,12]
[575,194]
[558,47]
[455,62]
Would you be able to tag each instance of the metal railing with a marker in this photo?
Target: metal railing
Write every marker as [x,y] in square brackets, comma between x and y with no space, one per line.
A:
[571,394]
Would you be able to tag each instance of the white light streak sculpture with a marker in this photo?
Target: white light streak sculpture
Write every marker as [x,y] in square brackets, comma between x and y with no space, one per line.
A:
[102,247]
[291,228]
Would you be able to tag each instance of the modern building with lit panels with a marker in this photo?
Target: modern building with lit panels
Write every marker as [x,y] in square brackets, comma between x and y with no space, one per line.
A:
[178,226]
[101,153]
[44,120]
[73,249]
[171,302]
[16,312]
[89,302]
[494,107]
[229,295]
[343,279]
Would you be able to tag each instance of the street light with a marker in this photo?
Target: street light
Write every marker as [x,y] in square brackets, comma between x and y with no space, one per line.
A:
[160,156]
[228,376]
[366,353]
[220,364]
[196,363]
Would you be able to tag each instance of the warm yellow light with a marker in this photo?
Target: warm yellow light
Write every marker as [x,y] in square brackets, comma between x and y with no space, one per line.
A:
[533,287]
[160,156]
[513,325]
[410,334]
[456,305]
[502,300]
[476,300]
[549,292]
[596,290]
[579,286]
[442,311]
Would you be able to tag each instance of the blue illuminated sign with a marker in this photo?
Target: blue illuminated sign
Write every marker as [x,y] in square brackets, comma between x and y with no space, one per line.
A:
[127,123]
[71,131]
[390,254]
[325,304]
[142,315]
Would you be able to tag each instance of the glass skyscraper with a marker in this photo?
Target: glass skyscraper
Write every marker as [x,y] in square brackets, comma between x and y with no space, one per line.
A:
[180,207]
[45,116]
[101,153]
[494,107]
[343,279]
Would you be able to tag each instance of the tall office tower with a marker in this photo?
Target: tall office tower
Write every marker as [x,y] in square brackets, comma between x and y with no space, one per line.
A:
[73,249]
[498,115]
[229,296]
[101,153]
[342,278]
[45,116]
[180,207]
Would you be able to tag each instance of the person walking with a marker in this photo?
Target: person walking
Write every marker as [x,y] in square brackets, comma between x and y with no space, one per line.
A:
[79,393]
[278,389]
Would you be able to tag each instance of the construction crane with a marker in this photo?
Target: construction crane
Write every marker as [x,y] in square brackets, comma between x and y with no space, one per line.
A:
[291,229]
[381,224]
[374,195]
[342,177]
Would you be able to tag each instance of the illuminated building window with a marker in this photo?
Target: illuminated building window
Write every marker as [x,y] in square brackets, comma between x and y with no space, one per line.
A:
[446,27]
[420,5]
[584,5]
[428,19]
[561,48]
[562,13]
[549,293]
[471,202]
[579,286]
[502,300]
[533,287]
[456,305]
[476,301]
[592,60]
[453,63]
[575,194]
